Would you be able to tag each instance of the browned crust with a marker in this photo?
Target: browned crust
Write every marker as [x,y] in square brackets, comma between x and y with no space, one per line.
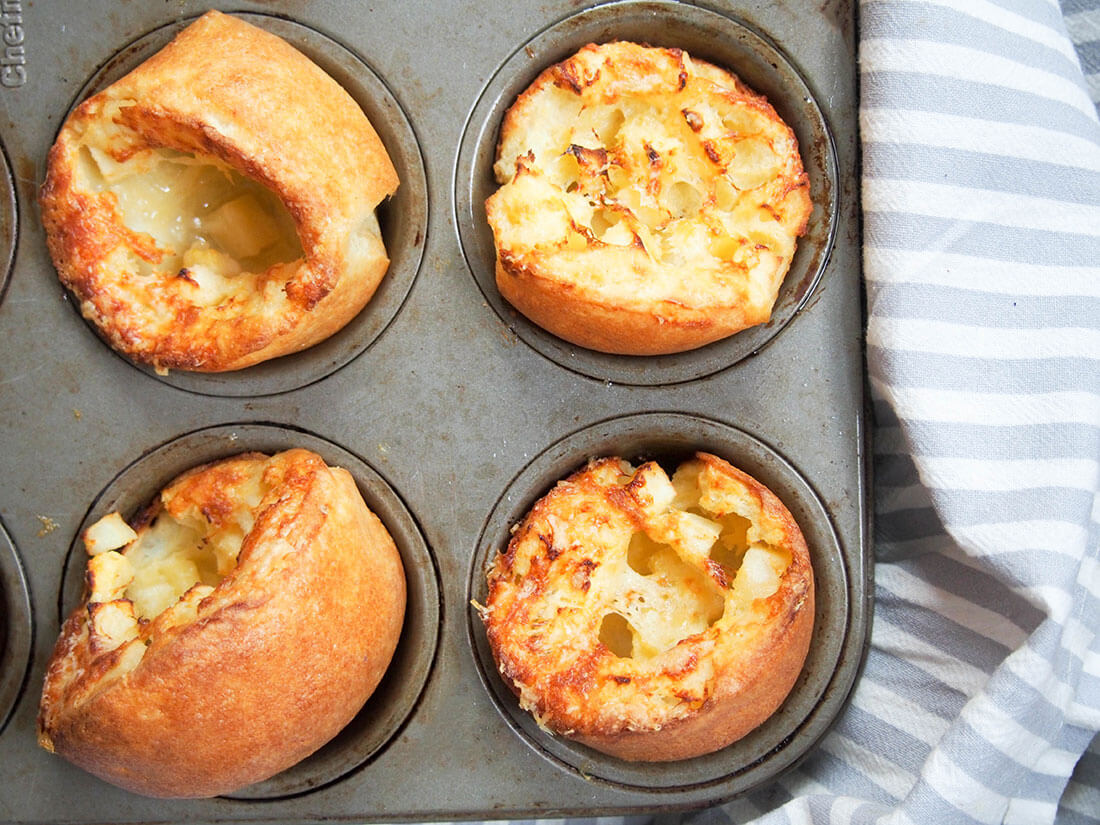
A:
[583,318]
[751,678]
[228,90]
[281,656]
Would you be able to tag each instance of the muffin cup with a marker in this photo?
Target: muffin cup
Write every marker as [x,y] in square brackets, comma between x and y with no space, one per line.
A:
[707,35]
[402,218]
[15,628]
[670,438]
[396,697]
[9,221]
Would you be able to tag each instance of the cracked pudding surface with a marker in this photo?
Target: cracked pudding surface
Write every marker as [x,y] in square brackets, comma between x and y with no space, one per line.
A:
[649,203]
[649,617]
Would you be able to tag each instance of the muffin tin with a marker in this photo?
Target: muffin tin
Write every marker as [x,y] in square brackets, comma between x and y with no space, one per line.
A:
[451,411]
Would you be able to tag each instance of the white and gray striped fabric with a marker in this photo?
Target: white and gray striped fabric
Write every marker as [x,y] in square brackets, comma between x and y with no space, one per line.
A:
[1083,26]
[980,701]
[981,206]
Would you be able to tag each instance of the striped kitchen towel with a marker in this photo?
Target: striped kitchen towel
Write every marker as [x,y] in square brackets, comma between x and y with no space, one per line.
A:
[1083,26]
[981,206]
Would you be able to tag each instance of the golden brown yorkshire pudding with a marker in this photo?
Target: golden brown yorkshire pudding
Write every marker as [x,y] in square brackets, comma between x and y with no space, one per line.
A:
[651,618]
[650,203]
[240,625]
[215,207]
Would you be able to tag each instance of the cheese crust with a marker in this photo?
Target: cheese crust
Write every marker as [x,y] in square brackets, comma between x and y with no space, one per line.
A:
[240,625]
[215,207]
[651,618]
[649,203]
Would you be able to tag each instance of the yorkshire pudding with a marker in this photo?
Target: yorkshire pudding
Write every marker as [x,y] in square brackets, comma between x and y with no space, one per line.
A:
[649,203]
[215,207]
[652,619]
[240,624]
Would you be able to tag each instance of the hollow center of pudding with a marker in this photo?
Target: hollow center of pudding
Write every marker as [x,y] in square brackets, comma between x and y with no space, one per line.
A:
[173,556]
[202,215]
[665,600]
[191,545]
[713,566]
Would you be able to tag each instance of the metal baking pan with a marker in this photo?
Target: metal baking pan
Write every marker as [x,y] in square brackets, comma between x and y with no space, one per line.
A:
[451,411]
